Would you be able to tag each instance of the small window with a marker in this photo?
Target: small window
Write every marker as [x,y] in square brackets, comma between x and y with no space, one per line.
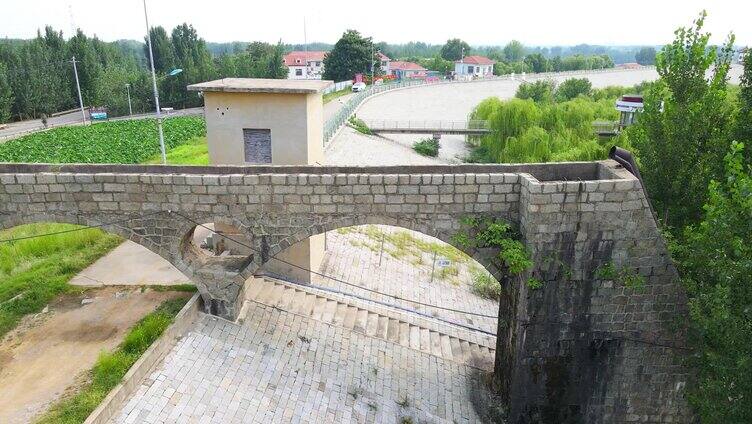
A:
[297,60]
[258,145]
[298,72]
[318,63]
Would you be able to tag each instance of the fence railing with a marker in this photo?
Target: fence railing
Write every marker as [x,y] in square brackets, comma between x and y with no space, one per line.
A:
[386,124]
[335,122]
[337,86]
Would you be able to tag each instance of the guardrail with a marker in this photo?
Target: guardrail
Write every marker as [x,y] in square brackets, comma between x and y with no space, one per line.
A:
[426,125]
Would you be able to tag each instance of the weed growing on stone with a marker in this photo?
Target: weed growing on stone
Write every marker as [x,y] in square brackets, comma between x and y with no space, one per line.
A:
[485,285]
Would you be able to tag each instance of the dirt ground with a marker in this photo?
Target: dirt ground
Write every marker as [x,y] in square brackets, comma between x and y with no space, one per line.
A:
[50,352]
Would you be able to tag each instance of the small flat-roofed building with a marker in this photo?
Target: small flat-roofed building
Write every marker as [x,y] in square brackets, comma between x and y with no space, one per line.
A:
[268,121]
[304,65]
[474,66]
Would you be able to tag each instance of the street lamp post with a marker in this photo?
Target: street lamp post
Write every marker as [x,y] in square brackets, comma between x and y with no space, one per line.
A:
[156,92]
[128,90]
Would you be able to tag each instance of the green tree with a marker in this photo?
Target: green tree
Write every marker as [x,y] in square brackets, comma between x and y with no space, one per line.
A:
[645,56]
[573,87]
[455,49]
[537,63]
[275,64]
[744,116]
[514,51]
[6,96]
[89,66]
[164,54]
[538,91]
[715,264]
[684,132]
[351,54]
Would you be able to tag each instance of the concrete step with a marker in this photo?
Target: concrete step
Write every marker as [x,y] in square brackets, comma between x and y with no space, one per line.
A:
[334,310]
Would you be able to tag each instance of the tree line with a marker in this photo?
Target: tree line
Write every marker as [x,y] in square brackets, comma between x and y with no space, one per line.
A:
[37,79]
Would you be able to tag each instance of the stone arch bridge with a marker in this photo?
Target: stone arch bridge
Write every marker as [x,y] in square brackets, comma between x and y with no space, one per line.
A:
[583,348]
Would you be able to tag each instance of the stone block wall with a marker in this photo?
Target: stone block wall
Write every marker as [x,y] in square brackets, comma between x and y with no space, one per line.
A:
[588,348]
[582,348]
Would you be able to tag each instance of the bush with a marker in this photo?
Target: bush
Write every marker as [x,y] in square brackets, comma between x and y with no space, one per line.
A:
[572,88]
[538,91]
[427,147]
[359,125]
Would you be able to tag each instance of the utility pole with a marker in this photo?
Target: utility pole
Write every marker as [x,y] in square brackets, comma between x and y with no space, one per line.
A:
[128,90]
[371,62]
[156,92]
[78,88]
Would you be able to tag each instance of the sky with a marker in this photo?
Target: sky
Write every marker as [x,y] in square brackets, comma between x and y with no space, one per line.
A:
[481,22]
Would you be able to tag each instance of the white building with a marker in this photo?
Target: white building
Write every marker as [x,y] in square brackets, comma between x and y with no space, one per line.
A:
[474,66]
[384,65]
[305,65]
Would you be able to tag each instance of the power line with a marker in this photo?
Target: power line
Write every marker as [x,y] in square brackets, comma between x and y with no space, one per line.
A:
[72,230]
[523,321]
[417,302]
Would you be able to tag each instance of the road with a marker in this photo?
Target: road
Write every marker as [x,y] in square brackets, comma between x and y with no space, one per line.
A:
[18,129]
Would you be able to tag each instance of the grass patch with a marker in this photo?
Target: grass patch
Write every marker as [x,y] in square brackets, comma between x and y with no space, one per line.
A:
[402,245]
[328,97]
[130,141]
[485,285]
[186,288]
[35,271]
[194,152]
[112,366]
[359,125]
[427,147]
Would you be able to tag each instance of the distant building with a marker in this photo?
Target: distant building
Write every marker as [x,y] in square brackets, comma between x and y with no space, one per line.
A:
[474,66]
[384,62]
[402,70]
[305,65]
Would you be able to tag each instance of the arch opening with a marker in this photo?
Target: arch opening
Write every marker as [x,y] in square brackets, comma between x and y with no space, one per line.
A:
[406,270]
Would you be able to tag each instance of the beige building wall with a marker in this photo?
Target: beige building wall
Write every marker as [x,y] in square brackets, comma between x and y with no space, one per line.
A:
[297,134]
[295,121]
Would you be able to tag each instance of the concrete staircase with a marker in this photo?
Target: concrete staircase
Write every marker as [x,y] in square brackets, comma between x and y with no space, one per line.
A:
[409,330]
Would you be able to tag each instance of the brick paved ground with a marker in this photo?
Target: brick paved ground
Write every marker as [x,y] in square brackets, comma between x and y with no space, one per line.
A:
[349,258]
[279,367]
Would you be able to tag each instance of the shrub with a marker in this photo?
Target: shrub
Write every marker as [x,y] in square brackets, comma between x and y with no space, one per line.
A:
[538,91]
[573,87]
[359,125]
[427,147]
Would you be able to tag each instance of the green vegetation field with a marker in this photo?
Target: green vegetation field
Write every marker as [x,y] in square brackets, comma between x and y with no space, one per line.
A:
[194,152]
[132,141]
[34,271]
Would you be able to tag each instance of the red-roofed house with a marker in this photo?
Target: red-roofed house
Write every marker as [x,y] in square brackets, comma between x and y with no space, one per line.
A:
[474,66]
[304,65]
[402,69]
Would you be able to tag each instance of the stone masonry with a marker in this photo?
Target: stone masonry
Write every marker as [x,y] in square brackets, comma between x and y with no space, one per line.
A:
[582,348]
